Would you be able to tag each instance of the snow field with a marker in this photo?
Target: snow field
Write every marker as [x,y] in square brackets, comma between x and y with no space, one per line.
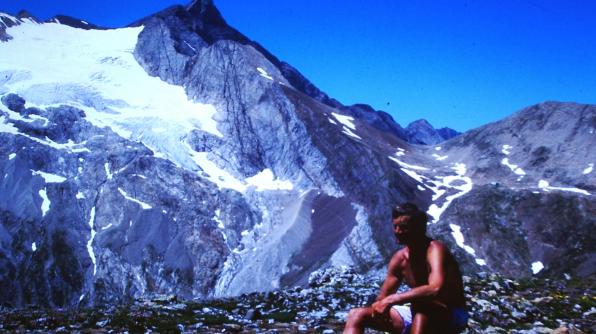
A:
[96,71]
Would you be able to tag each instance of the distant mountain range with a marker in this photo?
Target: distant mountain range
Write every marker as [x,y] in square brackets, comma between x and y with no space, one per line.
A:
[177,156]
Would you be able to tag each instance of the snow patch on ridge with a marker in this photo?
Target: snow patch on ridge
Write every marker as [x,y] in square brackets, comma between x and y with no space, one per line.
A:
[545,186]
[459,239]
[514,168]
[459,182]
[262,181]
[506,149]
[222,178]
[537,267]
[109,174]
[143,205]
[348,124]
[45,205]
[266,181]
[90,242]
[440,158]
[347,121]
[403,164]
[264,74]
[48,177]
[589,169]
[400,152]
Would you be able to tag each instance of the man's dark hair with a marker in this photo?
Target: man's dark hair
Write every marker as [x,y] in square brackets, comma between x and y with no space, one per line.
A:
[417,217]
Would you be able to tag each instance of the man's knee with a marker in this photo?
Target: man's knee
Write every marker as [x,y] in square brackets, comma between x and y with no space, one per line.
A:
[357,315]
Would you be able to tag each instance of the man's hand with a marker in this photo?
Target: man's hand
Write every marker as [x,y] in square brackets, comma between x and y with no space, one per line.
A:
[381,308]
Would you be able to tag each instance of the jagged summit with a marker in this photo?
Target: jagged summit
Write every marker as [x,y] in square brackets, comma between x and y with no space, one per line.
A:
[206,11]
[200,17]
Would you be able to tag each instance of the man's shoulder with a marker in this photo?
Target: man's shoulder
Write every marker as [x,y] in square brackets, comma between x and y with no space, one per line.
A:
[437,247]
[437,244]
[399,257]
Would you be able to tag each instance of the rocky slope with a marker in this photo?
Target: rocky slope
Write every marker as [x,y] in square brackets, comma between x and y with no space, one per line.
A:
[177,156]
[497,305]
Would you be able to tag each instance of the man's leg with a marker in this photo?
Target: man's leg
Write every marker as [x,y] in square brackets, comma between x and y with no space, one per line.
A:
[420,324]
[430,318]
[361,318]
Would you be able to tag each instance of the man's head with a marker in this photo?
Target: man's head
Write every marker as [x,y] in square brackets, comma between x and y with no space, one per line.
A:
[409,223]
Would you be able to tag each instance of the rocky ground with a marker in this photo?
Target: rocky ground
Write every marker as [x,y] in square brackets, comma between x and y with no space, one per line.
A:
[498,305]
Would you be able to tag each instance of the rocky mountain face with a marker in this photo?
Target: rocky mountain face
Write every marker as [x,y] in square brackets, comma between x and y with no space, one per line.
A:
[532,194]
[176,156]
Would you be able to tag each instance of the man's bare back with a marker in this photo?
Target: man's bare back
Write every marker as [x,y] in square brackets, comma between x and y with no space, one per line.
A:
[436,292]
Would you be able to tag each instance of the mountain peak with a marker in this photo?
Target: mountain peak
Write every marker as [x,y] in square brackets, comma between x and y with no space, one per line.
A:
[206,11]
[420,123]
[422,132]
[23,14]
[199,5]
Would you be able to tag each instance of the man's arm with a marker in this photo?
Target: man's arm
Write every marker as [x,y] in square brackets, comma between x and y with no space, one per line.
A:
[393,278]
[436,258]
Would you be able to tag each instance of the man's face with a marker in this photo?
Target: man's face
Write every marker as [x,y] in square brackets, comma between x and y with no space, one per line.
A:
[402,228]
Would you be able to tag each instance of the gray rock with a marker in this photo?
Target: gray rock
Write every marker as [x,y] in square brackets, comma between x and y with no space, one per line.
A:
[252,314]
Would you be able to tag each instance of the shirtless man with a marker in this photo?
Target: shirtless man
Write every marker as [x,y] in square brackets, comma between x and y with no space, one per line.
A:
[436,296]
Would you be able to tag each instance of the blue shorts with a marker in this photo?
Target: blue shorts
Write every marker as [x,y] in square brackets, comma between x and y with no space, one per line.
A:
[459,320]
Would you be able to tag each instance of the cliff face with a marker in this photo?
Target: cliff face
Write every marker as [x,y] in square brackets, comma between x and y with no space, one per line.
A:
[176,156]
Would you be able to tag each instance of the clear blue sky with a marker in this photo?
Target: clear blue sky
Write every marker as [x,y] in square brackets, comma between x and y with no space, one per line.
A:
[456,63]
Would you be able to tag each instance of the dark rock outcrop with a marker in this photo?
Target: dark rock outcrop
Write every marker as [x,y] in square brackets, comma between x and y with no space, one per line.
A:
[74,22]
[14,102]
[7,21]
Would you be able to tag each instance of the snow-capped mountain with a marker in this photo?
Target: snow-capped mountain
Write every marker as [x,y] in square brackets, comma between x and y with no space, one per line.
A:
[178,156]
